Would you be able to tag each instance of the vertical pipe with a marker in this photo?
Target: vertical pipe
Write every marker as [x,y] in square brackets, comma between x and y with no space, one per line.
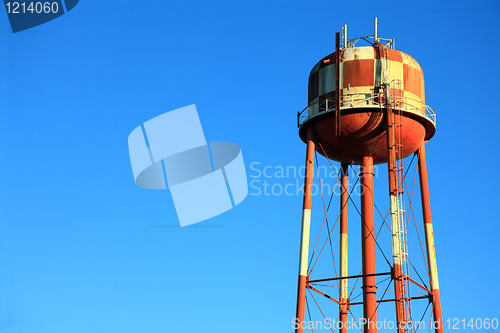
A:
[337,83]
[392,149]
[376,32]
[306,220]
[344,201]
[368,247]
[429,239]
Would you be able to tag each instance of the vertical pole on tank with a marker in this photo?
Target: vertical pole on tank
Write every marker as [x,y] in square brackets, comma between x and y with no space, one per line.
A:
[337,83]
[368,247]
[429,239]
[344,201]
[306,221]
[375,35]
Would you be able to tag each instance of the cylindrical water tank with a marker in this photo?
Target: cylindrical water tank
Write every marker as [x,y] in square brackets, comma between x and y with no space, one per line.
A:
[363,73]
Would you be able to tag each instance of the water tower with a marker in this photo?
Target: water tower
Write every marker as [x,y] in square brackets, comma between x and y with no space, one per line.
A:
[367,106]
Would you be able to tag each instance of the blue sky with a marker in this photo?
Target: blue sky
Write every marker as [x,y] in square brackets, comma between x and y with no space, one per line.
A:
[83,249]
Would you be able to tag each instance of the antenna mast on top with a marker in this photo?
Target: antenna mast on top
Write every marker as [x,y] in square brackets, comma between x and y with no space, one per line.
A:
[389,43]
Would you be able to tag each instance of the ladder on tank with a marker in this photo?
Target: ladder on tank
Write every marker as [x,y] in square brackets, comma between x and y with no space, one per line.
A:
[398,103]
[396,100]
[393,106]
[400,180]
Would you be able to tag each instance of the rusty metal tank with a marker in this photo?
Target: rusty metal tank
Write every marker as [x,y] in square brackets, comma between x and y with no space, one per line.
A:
[366,75]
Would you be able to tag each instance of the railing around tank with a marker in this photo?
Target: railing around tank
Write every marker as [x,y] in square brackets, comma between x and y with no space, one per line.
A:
[362,100]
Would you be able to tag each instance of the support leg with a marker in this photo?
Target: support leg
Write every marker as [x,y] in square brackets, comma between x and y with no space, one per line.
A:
[429,240]
[368,247]
[344,200]
[306,218]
